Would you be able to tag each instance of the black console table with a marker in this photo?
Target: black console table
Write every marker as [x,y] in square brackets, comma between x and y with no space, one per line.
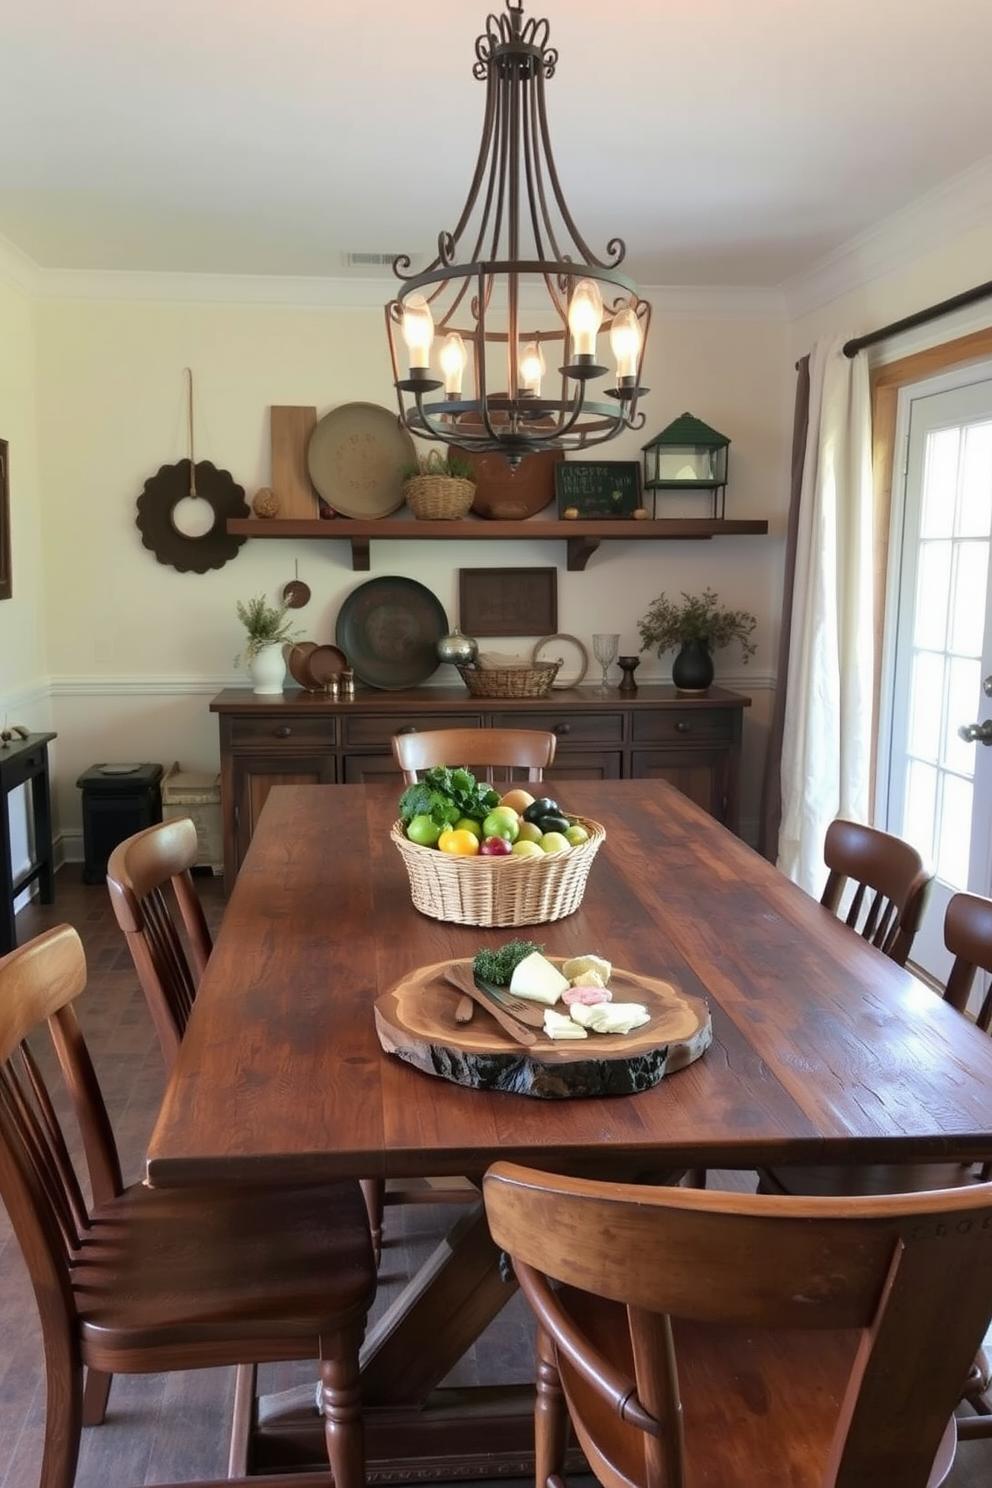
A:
[21,763]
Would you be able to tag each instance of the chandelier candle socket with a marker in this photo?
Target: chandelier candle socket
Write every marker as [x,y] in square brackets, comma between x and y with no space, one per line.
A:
[530,294]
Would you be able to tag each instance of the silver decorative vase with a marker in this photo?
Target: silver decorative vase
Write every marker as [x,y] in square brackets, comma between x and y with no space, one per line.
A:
[458,649]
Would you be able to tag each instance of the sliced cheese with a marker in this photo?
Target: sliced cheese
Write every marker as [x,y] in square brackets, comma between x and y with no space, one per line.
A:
[578,964]
[560,1026]
[536,978]
[609,1017]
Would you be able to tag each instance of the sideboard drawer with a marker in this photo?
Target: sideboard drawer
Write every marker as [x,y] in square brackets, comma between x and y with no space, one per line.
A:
[568,728]
[290,731]
[678,725]
[364,729]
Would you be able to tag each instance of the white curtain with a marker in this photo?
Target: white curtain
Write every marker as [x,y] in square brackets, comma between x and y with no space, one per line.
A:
[826,746]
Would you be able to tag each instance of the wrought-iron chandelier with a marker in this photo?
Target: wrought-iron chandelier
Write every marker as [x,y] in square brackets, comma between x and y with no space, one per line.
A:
[529,295]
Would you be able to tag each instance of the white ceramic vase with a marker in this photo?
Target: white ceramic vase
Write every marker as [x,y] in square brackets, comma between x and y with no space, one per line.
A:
[267,669]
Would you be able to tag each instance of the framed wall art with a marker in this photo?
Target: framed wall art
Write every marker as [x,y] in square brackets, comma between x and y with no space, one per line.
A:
[6,581]
[508,601]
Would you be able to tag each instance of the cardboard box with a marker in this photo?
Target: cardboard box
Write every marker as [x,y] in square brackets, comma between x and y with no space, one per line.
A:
[196,794]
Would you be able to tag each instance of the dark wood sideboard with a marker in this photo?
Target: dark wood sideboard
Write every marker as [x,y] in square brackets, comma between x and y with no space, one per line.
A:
[692,741]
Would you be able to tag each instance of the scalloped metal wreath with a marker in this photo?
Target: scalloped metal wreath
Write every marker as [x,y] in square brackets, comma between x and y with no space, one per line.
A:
[162,494]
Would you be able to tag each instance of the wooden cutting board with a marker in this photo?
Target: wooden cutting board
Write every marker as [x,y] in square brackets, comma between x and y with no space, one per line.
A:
[290,430]
[415,1020]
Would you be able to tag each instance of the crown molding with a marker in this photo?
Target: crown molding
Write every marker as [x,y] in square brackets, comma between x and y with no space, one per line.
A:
[17,270]
[690,302]
[932,221]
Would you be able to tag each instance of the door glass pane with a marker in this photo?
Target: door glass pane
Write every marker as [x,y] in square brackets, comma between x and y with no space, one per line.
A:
[940,481]
[964,705]
[975,518]
[970,576]
[920,807]
[924,708]
[932,595]
[954,838]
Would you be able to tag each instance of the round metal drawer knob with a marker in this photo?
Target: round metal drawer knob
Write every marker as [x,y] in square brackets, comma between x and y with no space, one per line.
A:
[563,728]
[682,727]
[283,731]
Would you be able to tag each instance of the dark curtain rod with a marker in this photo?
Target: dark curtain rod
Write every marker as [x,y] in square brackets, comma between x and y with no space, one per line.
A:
[922,317]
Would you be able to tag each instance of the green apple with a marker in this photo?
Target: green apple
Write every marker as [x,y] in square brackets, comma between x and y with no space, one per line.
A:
[502,821]
[524,849]
[467,824]
[577,833]
[553,842]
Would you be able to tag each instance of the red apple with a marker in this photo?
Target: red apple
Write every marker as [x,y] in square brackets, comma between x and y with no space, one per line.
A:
[495,847]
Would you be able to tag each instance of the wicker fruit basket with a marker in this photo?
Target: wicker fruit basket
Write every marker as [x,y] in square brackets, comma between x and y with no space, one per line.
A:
[510,682]
[439,498]
[498,891]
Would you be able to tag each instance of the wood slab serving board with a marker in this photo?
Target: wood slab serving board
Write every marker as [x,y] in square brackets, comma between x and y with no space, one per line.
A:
[290,430]
[415,1020]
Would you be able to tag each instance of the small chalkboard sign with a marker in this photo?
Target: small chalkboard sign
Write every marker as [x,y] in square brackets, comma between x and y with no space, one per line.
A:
[598,488]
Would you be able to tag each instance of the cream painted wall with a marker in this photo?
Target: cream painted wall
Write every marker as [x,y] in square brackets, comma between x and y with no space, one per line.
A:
[136,649]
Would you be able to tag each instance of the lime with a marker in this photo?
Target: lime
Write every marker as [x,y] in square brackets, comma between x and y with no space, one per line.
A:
[423,830]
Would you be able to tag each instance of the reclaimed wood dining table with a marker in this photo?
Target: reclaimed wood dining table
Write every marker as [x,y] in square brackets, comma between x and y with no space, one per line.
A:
[823,1050]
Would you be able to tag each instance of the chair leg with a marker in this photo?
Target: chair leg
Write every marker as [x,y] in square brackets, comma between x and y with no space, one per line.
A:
[374,1194]
[96,1392]
[344,1424]
[243,1421]
[63,1423]
[551,1421]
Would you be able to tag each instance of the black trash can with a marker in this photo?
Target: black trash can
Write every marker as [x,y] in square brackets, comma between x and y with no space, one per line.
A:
[118,800]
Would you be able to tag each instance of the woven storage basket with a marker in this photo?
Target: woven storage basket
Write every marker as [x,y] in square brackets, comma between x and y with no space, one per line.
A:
[498,891]
[510,682]
[439,498]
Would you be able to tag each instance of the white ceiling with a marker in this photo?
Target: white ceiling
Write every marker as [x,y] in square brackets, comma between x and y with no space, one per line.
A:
[729,142]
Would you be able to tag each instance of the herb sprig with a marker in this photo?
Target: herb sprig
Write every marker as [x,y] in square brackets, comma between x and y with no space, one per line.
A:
[498,964]
[446,795]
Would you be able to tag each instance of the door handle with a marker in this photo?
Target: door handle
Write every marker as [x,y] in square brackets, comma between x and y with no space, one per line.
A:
[976,733]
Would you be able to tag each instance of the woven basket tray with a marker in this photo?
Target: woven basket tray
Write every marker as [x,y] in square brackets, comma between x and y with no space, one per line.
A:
[439,498]
[510,682]
[498,891]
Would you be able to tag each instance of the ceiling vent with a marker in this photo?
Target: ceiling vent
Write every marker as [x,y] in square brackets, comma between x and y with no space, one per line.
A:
[370,260]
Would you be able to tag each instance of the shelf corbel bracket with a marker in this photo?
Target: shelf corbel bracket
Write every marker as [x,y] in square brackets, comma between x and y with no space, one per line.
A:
[360,554]
[580,550]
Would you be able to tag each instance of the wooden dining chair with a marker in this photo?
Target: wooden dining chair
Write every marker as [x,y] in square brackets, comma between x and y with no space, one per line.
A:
[492,754]
[142,871]
[144,1280]
[703,1337]
[890,885]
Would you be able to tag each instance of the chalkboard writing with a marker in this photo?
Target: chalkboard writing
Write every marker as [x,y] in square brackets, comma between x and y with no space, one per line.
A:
[604,488]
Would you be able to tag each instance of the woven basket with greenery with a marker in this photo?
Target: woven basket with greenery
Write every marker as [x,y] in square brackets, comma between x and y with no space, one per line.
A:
[498,891]
[439,488]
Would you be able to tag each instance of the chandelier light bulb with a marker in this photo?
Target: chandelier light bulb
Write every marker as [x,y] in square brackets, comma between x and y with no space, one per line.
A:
[418,330]
[585,315]
[453,360]
[625,343]
[532,368]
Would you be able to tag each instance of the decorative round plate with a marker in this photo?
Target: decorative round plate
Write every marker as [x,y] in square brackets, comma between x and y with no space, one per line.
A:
[356,455]
[324,663]
[390,628]
[567,649]
[296,659]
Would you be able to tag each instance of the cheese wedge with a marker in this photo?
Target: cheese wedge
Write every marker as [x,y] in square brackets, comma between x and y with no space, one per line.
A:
[578,964]
[559,1026]
[609,1017]
[534,977]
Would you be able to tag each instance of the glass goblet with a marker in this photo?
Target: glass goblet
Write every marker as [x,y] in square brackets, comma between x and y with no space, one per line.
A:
[605,648]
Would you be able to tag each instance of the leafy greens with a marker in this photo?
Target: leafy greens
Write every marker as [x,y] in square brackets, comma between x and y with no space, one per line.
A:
[446,795]
[498,965]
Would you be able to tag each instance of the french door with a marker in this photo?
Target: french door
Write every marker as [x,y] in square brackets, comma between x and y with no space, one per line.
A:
[935,777]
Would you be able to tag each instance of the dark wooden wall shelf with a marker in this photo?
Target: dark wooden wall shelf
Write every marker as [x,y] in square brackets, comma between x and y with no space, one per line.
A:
[582,538]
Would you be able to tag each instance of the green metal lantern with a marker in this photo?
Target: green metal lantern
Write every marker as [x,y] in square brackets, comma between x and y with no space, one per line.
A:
[688,456]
